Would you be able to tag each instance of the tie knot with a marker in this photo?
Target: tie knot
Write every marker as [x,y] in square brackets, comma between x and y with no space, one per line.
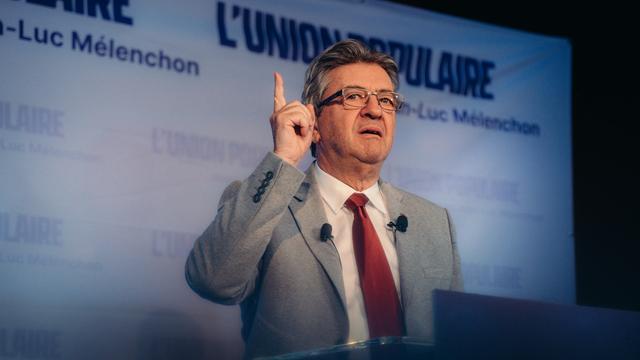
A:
[356,200]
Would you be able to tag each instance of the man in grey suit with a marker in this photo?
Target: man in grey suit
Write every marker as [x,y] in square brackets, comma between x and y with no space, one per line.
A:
[303,284]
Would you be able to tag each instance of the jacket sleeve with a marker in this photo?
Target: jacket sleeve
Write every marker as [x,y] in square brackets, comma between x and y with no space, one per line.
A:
[224,263]
[457,282]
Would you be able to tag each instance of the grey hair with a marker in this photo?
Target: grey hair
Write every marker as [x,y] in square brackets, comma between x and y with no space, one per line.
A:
[344,52]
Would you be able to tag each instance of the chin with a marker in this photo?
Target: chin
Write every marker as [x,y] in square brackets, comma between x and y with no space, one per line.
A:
[373,157]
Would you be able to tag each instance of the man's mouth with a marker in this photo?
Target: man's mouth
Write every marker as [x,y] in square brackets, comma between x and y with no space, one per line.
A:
[371,131]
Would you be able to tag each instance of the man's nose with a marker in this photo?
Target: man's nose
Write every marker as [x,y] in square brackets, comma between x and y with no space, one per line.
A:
[372,109]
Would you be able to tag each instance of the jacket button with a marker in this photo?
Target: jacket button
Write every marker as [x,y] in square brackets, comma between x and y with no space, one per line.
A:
[268,175]
[256,198]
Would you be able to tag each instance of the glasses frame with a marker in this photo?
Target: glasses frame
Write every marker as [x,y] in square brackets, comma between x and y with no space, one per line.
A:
[399,99]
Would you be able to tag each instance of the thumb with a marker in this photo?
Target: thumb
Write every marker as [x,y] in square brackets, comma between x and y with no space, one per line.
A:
[312,113]
[312,120]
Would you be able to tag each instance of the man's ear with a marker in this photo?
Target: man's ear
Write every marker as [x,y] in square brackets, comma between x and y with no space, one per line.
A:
[316,133]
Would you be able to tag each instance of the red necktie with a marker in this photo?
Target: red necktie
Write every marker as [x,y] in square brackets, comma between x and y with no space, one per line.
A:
[384,314]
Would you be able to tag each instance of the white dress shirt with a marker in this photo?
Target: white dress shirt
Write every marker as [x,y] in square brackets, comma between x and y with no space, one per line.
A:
[334,193]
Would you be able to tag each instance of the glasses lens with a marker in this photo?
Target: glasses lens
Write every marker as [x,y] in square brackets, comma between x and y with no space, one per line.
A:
[388,100]
[355,97]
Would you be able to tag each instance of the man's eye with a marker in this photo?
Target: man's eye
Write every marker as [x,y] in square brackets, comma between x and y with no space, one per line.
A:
[387,100]
[354,96]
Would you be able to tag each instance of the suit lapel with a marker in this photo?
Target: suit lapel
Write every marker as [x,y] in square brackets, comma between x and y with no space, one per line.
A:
[308,212]
[406,244]
[309,215]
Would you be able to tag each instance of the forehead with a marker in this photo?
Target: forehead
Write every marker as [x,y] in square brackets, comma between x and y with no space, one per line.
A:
[370,76]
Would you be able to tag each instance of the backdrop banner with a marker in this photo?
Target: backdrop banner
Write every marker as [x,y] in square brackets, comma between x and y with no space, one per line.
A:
[122,121]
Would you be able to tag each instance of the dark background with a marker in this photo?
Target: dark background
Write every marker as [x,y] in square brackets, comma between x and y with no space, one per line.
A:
[605,96]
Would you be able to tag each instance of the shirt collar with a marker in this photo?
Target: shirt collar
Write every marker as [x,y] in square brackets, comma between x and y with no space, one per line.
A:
[335,193]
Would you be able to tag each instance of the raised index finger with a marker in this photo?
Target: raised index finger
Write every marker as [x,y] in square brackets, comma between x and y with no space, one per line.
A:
[278,92]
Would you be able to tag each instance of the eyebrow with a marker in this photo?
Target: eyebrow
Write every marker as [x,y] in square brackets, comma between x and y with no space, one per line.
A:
[364,88]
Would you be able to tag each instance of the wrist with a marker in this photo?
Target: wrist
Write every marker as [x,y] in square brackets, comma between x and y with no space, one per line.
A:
[290,161]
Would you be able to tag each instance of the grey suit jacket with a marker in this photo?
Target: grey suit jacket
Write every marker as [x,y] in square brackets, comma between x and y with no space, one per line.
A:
[263,251]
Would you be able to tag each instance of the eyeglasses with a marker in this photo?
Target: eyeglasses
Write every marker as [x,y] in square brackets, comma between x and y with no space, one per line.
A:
[357,98]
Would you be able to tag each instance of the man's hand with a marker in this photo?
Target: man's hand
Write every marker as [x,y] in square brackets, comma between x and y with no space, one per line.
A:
[291,125]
